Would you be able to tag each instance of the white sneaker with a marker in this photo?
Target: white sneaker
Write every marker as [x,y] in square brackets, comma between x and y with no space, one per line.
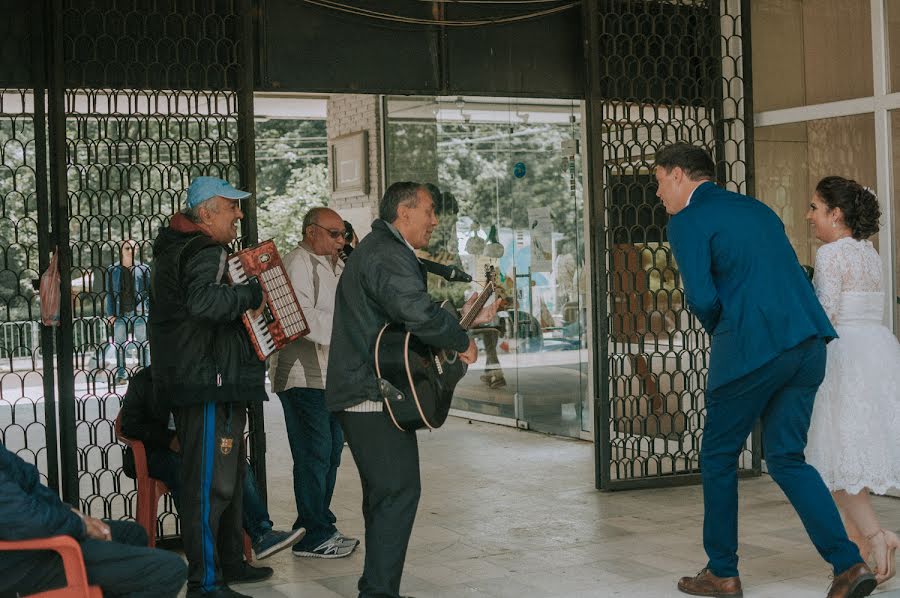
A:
[332,548]
[346,539]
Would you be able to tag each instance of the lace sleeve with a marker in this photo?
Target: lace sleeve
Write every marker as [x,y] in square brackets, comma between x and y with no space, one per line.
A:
[828,280]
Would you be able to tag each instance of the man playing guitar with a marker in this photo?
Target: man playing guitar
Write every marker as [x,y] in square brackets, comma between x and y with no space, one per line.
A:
[384,282]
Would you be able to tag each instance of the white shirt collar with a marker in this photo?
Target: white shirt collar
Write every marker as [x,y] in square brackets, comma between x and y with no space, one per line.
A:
[688,202]
[692,192]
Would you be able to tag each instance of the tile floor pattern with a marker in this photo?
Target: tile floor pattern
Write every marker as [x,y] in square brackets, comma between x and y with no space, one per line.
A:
[507,513]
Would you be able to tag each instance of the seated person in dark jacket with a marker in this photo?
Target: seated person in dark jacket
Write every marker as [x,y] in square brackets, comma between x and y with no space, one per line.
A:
[115,553]
[144,420]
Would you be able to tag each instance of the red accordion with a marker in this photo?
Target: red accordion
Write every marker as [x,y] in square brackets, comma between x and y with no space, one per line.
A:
[281,321]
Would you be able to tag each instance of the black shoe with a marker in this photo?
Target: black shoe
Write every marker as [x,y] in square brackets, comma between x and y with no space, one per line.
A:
[220,592]
[244,573]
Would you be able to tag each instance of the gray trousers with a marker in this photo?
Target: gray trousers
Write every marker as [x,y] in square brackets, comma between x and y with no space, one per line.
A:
[388,464]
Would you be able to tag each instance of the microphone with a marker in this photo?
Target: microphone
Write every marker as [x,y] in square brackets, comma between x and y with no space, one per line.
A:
[451,273]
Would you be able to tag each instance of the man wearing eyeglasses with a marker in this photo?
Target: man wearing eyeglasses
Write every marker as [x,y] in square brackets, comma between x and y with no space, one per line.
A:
[127,298]
[297,374]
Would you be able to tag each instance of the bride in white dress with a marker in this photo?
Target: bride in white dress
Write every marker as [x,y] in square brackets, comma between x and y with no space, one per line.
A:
[853,435]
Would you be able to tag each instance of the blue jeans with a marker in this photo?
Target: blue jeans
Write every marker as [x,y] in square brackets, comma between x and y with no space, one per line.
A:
[781,394]
[316,443]
[164,465]
[125,326]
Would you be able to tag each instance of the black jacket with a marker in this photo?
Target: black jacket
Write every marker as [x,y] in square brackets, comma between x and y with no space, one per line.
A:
[382,282]
[143,418]
[28,509]
[201,350]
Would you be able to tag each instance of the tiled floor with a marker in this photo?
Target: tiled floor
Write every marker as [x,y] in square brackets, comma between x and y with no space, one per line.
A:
[506,513]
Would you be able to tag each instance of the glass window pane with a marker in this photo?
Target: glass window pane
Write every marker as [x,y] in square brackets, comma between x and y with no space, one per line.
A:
[801,56]
[792,158]
[508,187]
[893,35]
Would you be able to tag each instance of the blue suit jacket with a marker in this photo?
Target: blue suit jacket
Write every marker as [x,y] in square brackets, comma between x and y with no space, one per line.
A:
[743,282]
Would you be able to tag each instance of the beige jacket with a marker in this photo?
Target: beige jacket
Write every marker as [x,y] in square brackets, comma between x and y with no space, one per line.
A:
[303,363]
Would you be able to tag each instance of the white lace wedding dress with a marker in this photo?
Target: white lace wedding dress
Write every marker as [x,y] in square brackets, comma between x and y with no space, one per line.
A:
[854,437]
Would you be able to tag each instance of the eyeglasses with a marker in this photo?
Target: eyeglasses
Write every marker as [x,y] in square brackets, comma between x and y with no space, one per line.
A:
[334,234]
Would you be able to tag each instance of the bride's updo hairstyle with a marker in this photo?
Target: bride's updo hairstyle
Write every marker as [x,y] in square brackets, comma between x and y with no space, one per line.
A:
[858,203]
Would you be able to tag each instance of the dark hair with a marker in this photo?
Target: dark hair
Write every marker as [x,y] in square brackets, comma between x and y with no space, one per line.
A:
[399,193]
[348,231]
[859,204]
[447,205]
[444,202]
[694,160]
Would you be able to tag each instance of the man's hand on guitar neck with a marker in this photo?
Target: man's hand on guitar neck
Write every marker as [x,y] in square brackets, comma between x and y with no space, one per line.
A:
[487,313]
[470,354]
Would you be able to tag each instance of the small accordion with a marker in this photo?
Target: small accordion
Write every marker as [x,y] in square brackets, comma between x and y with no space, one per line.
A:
[282,320]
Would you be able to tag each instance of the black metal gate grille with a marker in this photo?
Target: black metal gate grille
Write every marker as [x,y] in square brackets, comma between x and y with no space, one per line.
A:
[140,99]
[24,421]
[660,71]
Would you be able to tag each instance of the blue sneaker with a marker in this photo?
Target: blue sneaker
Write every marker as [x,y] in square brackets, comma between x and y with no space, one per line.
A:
[274,541]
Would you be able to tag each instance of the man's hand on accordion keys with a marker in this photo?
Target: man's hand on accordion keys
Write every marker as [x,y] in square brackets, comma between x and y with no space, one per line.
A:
[256,312]
[278,320]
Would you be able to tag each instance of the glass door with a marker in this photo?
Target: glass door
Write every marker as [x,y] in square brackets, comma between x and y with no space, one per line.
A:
[506,178]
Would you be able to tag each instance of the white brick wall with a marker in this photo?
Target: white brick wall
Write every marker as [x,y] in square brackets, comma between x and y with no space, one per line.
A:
[350,113]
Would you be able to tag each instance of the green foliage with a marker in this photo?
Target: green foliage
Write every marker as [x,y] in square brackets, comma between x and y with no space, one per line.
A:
[280,216]
[291,177]
[475,165]
[472,165]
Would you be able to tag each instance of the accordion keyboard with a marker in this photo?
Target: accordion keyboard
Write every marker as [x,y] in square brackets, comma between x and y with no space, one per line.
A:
[281,320]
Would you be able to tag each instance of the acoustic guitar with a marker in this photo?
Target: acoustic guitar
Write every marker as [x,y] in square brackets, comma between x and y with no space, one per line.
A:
[416,380]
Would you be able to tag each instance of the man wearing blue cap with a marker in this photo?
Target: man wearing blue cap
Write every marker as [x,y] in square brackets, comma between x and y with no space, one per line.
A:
[205,371]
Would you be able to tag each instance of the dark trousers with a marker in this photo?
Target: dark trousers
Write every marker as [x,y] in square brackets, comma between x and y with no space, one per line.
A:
[165,465]
[316,444]
[781,393]
[388,464]
[121,567]
[212,447]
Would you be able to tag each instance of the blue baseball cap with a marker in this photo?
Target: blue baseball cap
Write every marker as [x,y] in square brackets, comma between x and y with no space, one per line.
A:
[207,187]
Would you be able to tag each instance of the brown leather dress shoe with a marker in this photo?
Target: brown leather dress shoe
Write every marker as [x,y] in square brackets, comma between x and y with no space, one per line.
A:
[855,582]
[707,584]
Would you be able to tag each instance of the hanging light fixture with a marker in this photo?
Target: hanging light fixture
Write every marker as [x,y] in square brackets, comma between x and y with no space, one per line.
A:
[494,248]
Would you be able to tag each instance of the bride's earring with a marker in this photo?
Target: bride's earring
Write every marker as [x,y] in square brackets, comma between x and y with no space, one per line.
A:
[834,224]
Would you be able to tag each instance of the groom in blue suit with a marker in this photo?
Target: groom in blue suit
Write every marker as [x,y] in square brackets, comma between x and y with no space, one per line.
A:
[768,332]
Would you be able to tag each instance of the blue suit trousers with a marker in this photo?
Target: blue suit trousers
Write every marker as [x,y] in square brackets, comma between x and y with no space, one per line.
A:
[781,394]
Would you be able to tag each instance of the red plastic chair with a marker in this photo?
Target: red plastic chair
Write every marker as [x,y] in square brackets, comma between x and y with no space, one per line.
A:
[149,490]
[73,565]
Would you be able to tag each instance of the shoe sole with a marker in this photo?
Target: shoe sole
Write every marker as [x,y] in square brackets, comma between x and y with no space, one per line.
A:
[863,587]
[286,543]
[316,555]
[712,594]
[239,582]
